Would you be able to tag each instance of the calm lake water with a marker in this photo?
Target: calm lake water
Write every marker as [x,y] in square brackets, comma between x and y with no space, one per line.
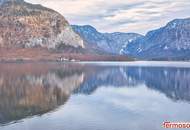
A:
[112,96]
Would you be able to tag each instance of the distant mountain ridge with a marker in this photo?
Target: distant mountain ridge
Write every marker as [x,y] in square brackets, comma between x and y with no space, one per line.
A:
[171,42]
[108,42]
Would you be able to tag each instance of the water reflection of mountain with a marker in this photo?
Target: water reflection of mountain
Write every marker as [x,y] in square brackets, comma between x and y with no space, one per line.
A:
[27,90]
[107,77]
[173,82]
[35,89]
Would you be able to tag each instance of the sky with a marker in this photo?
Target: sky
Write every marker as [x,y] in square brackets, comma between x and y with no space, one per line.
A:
[138,16]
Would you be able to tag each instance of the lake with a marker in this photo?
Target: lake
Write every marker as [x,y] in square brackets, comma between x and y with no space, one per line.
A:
[93,96]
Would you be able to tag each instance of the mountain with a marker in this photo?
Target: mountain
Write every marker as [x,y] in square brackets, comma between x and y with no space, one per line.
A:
[24,25]
[108,42]
[33,32]
[171,42]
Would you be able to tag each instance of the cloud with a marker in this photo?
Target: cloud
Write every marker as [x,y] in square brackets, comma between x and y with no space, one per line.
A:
[120,15]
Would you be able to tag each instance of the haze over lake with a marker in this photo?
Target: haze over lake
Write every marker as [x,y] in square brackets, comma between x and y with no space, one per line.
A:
[110,96]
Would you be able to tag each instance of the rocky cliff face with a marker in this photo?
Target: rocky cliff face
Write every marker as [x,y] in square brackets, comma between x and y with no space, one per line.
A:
[169,42]
[108,42]
[24,25]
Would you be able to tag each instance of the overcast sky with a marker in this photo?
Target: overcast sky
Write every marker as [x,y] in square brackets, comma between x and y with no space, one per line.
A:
[120,15]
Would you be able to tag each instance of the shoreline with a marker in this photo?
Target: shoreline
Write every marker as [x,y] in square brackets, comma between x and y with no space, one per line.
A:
[172,64]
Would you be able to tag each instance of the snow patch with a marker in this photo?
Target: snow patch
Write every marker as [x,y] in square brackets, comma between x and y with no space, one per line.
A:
[166,48]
